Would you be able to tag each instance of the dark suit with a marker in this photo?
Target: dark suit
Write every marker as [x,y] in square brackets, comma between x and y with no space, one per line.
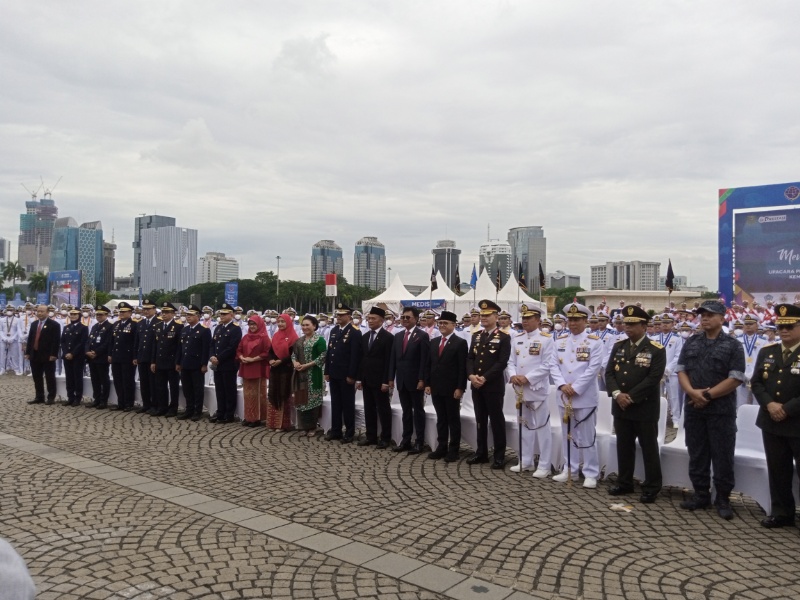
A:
[341,362]
[73,341]
[144,341]
[193,354]
[99,342]
[774,381]
[407,368]
[446,373]
[374,373]
[166,341]
[42,368]
[122,369]
[488,357]
[223,345]
[637,371]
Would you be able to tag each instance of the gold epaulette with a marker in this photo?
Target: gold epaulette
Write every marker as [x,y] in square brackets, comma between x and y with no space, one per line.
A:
[545,334]
[656,344]
[592,336]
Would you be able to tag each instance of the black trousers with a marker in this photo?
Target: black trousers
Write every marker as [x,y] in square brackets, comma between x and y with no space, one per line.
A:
[448,423]
[124,375]
[168,389]
[646,432]
[377,408]
[710,439]
[343,407]
[489,406]
[44,372]
[73,373]
[193,383]
[225,389]
[101,383]
[147,380]
[413,404]
[781,451]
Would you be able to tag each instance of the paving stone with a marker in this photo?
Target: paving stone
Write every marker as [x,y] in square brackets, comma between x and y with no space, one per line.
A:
[356,553]
[189,500]
[114,475]
[238,514]
[476,589]
[434,578]
[170,492]
[323,542]
[393,565]
[292,532]
[263,523]
[211,507]
[150,486]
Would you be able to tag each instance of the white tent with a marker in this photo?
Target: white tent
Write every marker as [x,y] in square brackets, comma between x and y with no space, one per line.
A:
[506,298]
[511,292]
[442,291]
[390,297]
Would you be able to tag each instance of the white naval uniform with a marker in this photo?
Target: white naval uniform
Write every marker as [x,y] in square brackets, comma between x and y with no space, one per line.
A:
[752,344]
[532,355]
[608,344]
[25,322]
[10,345]
[433,332]
[577,361]
[673,343]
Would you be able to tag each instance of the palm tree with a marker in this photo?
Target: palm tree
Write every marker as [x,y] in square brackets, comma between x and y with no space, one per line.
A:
[13,271]
[37,282]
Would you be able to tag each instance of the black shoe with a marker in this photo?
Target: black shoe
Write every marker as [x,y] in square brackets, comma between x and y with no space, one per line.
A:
[437,454]
[115,407]
[451,458]
[724,509]
[477,460]
[102,406]
[92,404]
[50,401]
[142,409]
[225,420]
[619,490]
[773,522]
[127,409]
[151,411]
[366,442]
[648,497]
[36,401]
[498,463]
[696,503]
[185,415]
[171,413]
[347,439]
[196,418]
[331,436]
[158,413]
[416,449]
[381,445]
[213,418]
[403,447]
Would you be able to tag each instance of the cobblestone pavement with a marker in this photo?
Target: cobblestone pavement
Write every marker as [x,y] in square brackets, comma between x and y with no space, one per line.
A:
[119,505]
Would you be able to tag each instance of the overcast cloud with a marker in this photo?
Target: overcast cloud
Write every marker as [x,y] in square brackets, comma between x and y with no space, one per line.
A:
[268,126]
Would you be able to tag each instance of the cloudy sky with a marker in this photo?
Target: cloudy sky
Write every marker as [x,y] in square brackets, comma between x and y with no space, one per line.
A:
[270,125]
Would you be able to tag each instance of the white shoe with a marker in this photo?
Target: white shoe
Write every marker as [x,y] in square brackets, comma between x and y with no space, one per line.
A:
[590,482]
[542,473]
[515,468]
[561,477]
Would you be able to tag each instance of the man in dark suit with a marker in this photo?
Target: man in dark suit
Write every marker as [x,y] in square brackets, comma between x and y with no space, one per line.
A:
[166,341]
[445,382]
[376,349]
[341,369]
[41,350]
[73,353]
[121,358]
[486,364]
[97,348]
[224,343]
[192,363]
[633,379]
[407,367]
[776,387]
[144,340]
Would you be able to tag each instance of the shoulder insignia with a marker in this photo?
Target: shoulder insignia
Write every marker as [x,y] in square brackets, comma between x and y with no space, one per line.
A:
[656,344]
[592,336]
[544,334]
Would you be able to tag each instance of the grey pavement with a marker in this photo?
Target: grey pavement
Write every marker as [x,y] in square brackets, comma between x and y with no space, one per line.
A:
[120,505]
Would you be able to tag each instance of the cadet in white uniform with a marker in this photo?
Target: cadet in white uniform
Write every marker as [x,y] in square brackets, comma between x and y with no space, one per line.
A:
[752,343]
[10,342]
[578,359]
[529,369]
[672,343]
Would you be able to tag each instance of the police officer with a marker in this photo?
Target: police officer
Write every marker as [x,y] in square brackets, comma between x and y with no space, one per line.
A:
[97,348]
[341,370]
[192,363]
[145,336]
[123,370]
[776,387]
[578,360]
[529,371]
[633,379]
[710,368]
[224,343]
[163,361]
[73,353]
[486,364]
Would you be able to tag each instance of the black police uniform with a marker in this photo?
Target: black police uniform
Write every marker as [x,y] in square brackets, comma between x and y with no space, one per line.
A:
[342,361]
[73,341]
[193,354]
[166,341]
[223,346]
[122,369]
[145,339]
[99,341]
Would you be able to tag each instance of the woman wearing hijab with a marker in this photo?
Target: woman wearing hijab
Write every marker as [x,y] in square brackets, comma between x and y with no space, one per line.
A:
[308,357]
[253,354]
[279,410]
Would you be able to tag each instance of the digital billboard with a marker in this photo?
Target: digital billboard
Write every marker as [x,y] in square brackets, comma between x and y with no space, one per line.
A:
[64,287]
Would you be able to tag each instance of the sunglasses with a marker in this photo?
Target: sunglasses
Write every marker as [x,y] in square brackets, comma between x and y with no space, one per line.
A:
[406,317]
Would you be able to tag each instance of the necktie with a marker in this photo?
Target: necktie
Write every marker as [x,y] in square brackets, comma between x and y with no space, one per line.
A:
[786,354]
[405,342]
[38,333]
[442,345]
[371,338]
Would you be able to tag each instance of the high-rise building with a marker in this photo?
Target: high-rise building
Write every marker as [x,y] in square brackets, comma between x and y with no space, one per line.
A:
[79,248]
[369,265]
[528,247]
[143,223]
[445,261]
[624,275]
[495,257]
[109,265]
[168,259]
[36,233]
[215,267]
[5,251]
[326,257]
[560,280]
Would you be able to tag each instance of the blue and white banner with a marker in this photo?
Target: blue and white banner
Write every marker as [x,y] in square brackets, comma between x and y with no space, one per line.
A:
[232,293]
[432,304]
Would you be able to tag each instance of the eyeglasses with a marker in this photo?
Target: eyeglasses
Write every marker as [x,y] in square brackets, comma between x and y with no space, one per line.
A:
[787,327]
[406,317]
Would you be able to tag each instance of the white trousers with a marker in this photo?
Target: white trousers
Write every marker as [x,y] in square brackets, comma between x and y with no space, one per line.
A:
[11,357]
[535,427]
[744,396]
[583,448]
[675,397]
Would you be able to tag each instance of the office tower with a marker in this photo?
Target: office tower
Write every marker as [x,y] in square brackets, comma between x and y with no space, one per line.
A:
[36,233]
[369,265]
[78,248]
[109,265]
[215,267]
[141,224]
[326,257]
[168,259]
[528,247]
[495,257]
[445,261]
[626,275]
[560,280]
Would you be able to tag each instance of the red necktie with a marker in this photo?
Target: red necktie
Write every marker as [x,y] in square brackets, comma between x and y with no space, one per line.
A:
[442,345]
[405,342]
[36,339]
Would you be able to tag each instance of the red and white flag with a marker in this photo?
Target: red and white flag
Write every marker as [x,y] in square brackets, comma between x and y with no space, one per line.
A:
[330,284]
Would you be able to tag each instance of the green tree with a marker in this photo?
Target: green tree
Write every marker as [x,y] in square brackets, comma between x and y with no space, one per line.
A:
[102,298]
[13,271]
[565,296]
[37,282]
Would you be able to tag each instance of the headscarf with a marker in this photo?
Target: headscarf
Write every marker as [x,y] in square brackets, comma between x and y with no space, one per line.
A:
[282,341]
[251,342]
